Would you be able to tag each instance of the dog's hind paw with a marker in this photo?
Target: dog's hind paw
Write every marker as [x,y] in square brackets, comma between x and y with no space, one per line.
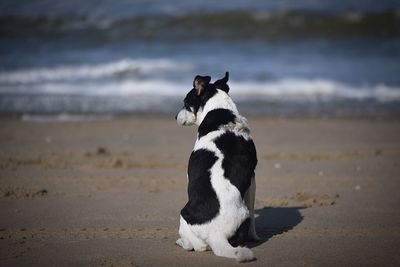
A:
[200,248]
[184,244]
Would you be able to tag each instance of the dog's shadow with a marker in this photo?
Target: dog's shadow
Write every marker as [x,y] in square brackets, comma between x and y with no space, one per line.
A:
[275,221]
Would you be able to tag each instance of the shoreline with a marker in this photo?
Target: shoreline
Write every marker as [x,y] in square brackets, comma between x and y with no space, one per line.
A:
[131,105]
[43,117]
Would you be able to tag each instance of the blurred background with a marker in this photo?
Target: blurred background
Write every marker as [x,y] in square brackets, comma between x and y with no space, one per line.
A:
[286,58]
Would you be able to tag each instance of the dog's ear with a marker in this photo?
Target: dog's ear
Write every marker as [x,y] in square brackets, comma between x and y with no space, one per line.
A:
[200,83]
[222,83]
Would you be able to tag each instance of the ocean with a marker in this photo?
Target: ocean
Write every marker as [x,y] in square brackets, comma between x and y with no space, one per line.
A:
[289,57]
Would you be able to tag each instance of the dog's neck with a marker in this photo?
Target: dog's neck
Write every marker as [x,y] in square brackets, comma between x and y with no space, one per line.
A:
[221,113]
[220,100]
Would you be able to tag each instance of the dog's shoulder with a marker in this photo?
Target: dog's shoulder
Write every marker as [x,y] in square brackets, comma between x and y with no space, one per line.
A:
[239,158]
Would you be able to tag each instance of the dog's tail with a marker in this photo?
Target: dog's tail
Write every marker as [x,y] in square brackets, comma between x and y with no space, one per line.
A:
[221,247]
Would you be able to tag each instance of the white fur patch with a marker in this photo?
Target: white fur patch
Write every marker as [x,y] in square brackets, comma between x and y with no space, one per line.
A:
[185,117]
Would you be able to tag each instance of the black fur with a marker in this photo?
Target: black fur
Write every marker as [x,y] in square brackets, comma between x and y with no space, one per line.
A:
[241,234]
[203,204]
[200,83]
[222,83]
[195,101]
[214,119]
[240,160]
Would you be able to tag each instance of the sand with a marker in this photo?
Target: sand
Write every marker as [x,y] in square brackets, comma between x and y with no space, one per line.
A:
[108,193]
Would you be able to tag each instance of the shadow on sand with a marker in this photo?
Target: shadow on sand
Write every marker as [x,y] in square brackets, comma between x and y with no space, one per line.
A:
[275,221]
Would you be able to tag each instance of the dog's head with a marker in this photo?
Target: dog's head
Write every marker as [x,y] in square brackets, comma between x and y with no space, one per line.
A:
[197,98]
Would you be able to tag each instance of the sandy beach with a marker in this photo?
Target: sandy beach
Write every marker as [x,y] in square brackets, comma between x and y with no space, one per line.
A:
[109,192]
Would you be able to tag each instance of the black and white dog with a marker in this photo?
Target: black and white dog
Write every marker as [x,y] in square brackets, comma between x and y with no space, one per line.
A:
[221,189]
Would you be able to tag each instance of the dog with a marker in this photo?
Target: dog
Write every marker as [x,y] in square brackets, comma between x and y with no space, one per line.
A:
[219,213]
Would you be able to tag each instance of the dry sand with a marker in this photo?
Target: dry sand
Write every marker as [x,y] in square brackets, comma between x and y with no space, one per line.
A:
[108,193]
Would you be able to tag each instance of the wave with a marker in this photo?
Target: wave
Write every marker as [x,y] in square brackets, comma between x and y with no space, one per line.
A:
[291,89]
[291,96]
[197,26]
[282,90]
[119,68]
[64,117]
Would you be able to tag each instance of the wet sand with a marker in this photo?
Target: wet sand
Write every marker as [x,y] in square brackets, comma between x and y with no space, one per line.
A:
[108,193]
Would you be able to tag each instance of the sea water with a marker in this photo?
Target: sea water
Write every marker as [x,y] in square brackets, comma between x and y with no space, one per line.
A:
[116,57]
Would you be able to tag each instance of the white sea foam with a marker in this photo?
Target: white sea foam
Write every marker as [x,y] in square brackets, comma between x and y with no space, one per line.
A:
[128,87]
[280,90]
[88,80]
[314,89]
[95,71]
